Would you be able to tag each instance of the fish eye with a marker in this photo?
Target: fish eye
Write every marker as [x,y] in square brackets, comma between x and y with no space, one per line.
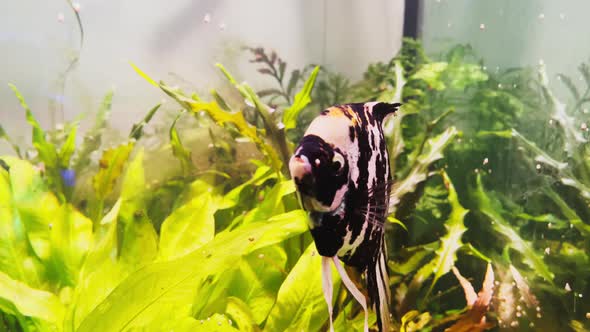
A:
[338,161]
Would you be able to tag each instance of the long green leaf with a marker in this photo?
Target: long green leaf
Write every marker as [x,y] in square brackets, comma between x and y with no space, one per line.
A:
[300,301]
[188,227]
[302,99]
[47,151]
[419,171]
[137,240]
[178,150]
[137,128]
[93,137]
[165,291]
[31,302]
[491,208]
[110,168]
[450,243]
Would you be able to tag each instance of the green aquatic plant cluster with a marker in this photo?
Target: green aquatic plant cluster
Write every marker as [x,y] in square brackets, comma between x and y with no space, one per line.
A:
[492,178]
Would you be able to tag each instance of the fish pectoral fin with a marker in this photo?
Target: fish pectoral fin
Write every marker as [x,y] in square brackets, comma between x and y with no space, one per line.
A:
[356,293]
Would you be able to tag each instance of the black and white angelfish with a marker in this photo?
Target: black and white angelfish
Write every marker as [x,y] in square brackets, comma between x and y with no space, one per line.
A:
[341,170]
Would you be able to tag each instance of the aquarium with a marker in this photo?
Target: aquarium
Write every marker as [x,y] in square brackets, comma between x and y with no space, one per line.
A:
[333,165]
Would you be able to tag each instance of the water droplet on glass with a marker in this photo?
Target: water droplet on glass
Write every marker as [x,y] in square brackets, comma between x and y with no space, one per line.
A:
[482,26]
[207,18]
[60,17]
[541,16]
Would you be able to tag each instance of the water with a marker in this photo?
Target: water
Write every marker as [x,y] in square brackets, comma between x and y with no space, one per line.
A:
[148,188]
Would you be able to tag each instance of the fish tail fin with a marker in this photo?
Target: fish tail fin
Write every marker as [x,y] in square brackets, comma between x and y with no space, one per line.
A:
[378,289]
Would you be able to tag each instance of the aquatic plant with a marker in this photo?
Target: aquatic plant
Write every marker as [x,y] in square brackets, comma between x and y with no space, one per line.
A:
[492,183]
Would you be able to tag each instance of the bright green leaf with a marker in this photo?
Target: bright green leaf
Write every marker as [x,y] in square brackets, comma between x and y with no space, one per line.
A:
[164,291]
[31,302]
[300,292]
[188,227]
[302,99]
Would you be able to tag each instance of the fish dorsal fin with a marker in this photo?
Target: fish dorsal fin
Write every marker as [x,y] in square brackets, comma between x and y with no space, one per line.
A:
[382,110]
